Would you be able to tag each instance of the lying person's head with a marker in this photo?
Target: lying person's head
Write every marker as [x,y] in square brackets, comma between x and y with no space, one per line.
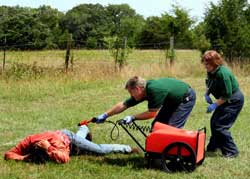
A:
[37,155]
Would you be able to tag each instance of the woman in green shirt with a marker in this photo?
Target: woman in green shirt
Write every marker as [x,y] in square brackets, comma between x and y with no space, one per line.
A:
[222,84]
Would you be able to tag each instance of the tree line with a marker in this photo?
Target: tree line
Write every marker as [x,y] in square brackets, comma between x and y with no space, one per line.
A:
[225,27]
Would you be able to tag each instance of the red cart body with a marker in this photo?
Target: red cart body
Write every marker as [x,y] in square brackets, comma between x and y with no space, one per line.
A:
[163,135]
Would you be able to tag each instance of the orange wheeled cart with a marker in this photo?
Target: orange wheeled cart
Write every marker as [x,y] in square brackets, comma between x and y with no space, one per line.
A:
[177,149]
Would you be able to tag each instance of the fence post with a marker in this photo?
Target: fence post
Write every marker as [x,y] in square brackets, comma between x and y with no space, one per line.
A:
[123,53]
[172,54]
[68,52]
[125,42]
[4,53]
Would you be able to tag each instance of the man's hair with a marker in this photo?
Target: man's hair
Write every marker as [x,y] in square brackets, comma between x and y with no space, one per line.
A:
[135,81]
[37,155]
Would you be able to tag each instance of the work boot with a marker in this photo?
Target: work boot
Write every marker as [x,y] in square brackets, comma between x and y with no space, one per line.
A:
[211,148]
[230,155]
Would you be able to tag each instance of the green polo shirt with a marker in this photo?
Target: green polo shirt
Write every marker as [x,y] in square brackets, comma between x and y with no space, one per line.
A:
[221,83]
[160,89]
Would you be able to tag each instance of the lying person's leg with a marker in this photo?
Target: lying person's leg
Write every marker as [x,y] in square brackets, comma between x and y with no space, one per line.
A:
[79,141]
[85,145]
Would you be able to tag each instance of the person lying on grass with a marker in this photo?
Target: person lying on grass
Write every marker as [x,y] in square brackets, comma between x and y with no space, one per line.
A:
[58,145]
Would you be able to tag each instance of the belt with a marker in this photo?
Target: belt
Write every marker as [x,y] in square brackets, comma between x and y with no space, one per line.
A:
[187,96]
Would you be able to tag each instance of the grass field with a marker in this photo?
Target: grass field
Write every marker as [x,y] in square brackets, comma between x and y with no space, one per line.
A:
[37,96]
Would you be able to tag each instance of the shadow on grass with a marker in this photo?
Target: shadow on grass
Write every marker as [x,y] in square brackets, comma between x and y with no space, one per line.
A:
[212,154]
[137,162]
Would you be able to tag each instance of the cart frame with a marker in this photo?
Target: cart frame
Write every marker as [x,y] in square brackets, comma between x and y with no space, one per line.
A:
[176,155]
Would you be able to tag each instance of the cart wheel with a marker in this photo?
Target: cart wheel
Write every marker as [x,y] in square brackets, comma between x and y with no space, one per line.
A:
[149,160]
[173,159]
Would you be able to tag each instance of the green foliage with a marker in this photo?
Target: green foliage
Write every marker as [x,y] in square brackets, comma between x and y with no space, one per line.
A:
[154,31]
[87,23]
[170,54]
[27,28]
[90,24]
[23,71]
[124,22]
[200,41]
[119,51]
[160,29]
[227,28]
[180,28]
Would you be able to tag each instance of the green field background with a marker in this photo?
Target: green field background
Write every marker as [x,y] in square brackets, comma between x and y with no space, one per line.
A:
[37,95]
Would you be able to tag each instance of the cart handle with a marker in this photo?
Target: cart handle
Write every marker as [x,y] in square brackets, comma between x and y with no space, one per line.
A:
[135,126]
[121,123]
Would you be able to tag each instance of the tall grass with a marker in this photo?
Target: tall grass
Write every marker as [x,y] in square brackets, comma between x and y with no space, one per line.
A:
[98,64]
[47,99]
[92,65]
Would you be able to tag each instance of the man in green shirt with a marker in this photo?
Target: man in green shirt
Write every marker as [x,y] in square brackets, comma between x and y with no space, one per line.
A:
[170,101]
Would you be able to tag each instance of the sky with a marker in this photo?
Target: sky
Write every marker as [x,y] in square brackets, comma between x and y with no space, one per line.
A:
[146,8]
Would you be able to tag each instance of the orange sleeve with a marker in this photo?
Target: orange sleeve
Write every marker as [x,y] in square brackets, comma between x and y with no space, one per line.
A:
[19,151]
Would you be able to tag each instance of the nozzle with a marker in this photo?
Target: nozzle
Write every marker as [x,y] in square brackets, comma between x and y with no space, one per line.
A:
[85,122]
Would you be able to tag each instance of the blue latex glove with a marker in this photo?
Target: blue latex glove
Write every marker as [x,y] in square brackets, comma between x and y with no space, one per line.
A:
[128,119]
[211,107]
[208,99]
[101,118]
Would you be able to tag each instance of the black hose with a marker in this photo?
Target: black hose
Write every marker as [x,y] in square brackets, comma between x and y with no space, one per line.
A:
[131,126]
[112,130]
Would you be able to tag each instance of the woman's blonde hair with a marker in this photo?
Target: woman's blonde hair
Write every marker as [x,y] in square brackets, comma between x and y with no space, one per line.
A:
[213,58]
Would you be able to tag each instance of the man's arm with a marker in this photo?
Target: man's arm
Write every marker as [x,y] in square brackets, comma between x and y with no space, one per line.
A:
[116,109]
[145,115]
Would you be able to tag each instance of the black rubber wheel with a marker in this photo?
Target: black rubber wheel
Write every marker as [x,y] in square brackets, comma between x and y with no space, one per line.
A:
[173,162]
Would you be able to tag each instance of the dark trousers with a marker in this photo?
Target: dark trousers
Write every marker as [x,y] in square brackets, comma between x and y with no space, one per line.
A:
[176,114]
[221,121]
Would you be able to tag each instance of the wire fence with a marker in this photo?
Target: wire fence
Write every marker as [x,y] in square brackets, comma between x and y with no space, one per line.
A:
[79,44]
[15,56]
[18,63]
[70,45]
